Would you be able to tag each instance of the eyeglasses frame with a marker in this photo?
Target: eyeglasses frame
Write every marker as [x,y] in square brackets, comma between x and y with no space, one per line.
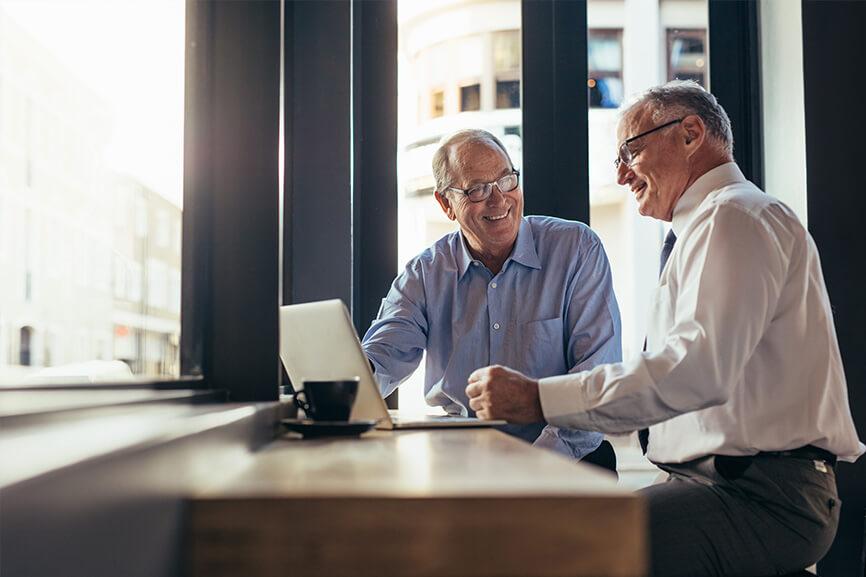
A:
[625,155]
[488,187]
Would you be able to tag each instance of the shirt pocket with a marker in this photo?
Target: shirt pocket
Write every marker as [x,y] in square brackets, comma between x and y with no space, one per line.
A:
[540,348]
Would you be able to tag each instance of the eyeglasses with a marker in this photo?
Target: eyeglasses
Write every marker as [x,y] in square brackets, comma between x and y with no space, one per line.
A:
[481,192]
[626,156]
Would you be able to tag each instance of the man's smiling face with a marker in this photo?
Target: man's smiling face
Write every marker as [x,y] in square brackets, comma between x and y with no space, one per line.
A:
[659,171]
[489,226]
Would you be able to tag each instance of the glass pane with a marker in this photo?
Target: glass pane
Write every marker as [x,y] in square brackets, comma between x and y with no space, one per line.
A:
[469,52]
[659,40]
[91,150]
[507,94]
[687,54]
[470,98]
[604,50]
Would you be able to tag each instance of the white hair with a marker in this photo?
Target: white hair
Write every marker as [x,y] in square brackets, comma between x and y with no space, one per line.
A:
[680,98]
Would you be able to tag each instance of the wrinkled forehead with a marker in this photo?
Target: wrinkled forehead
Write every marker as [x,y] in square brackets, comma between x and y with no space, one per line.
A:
[635,120]
[477,158]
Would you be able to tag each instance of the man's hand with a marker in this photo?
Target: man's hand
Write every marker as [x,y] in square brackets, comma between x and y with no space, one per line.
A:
[502,393]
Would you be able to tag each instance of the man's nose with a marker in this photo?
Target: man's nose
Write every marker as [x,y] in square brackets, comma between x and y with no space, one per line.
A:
[496,196]
[624,174]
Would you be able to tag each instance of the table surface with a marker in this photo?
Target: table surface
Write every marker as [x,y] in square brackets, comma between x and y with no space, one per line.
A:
[455,502]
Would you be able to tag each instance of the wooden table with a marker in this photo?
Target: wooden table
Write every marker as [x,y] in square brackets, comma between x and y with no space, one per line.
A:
[450,503]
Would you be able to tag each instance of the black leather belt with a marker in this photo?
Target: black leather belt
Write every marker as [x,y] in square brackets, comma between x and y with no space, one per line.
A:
[809,452]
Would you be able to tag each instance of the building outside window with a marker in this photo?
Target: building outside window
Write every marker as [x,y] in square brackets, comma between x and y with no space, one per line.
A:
[506,65]
[91,153]
[605,68]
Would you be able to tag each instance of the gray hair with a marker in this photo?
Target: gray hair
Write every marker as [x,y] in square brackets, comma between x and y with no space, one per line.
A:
[441,166]
[681,98]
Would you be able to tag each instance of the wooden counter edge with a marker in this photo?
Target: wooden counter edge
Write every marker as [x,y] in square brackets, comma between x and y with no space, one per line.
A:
[528,536]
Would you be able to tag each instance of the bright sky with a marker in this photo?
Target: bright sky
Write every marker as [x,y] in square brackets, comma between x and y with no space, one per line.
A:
[130,53]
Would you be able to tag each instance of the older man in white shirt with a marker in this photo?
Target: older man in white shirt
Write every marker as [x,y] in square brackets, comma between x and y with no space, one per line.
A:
[741,384]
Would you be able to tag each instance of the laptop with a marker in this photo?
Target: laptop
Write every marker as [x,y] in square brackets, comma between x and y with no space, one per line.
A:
[318,342]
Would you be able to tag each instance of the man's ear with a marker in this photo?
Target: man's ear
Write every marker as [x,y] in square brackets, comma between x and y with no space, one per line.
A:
[695,132]
[445,204]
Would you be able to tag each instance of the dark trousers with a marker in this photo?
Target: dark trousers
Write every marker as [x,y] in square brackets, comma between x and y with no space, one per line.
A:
[741,516]
[604,457]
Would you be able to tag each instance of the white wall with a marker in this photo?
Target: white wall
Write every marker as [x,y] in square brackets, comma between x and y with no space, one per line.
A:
[783,107]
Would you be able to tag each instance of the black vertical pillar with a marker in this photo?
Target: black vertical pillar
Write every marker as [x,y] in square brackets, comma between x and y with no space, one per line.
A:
[231,154]
[374,156]
[317,238]
[735,78]
[555,101]
[834,40]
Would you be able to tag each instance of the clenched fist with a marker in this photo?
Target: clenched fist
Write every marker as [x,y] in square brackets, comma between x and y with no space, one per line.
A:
[501,393]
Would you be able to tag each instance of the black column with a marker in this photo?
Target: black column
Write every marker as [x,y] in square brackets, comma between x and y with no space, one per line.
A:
[374,154]
[834,40]
[231,201]
[555,101]
[735,78]
[317,213]
[374,143]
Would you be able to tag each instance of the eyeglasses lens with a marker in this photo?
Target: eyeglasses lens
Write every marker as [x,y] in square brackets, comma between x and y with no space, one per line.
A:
[624,155]
[481,192]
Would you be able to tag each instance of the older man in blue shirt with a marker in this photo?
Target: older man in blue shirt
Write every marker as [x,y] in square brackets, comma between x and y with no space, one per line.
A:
[533,293]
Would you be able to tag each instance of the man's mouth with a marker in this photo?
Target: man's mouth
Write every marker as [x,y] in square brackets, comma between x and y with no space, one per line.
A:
[495,217]
[638,190]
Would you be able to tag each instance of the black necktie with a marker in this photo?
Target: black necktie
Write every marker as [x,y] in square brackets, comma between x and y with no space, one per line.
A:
[667,247]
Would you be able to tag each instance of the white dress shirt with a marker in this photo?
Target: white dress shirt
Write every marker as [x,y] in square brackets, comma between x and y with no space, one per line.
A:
[741,351]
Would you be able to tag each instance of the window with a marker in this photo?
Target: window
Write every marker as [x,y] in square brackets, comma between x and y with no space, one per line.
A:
[605,68]
[470,97]
[506,66]
[437,104]
[507,94]
[91,144]
[687,54]
[625,48]
[470,50]
[24,346]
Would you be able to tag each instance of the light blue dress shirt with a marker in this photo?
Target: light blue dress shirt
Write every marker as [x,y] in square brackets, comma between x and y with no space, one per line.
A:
[549,311]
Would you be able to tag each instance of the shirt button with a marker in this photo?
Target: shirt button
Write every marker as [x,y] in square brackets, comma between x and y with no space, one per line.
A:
[496,326]
[493,285]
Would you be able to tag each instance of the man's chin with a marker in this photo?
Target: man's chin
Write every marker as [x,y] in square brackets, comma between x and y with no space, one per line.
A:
[649,210]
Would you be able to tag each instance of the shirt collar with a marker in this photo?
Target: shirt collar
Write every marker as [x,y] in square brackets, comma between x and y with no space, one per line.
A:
[719,177]
[524,250]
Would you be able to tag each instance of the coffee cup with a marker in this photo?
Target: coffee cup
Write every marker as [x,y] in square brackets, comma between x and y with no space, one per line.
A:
[328,400]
